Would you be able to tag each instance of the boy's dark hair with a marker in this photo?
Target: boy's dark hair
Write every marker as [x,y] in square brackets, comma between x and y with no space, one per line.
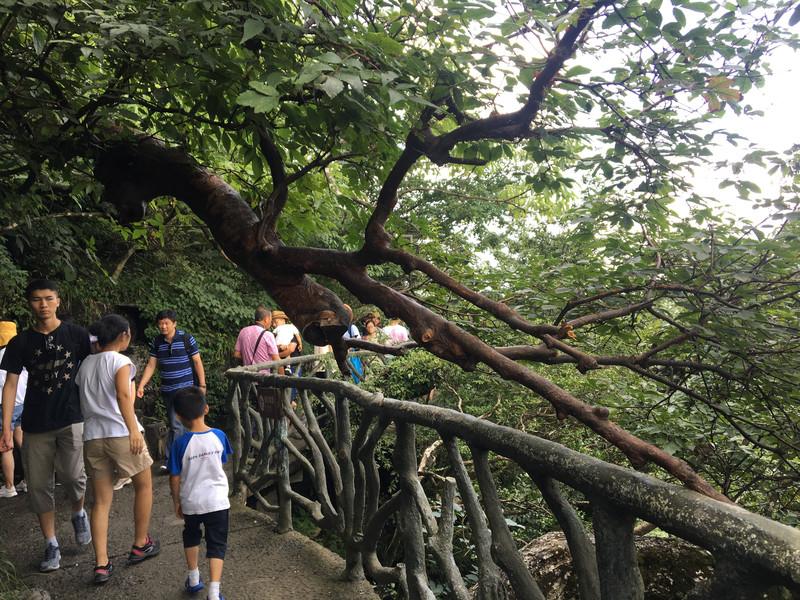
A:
[189,402]
[41,284]
[167,313]
[108,328]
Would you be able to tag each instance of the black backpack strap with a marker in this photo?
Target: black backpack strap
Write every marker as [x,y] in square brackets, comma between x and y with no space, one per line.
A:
[195,379]
[258,341]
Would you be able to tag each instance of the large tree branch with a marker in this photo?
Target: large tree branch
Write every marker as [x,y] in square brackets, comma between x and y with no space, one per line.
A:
[135,171]
[275,202]
[514,125]
[509,126]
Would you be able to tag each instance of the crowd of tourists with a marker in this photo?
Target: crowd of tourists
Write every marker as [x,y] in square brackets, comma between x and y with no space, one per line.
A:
[257,344]
[68,398]
[68,403]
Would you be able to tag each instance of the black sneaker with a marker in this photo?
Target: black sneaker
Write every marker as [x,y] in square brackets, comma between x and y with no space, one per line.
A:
[102,573]
[142,553]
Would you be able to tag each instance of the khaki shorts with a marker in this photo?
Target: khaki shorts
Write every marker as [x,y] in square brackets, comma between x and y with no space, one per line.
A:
[59,451]
[103,456]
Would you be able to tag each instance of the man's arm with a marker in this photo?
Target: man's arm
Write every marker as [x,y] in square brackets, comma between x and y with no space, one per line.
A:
[277,357]
[299,341]
[237,356]
[199,370]
[149,369]
[9,397]
[175,490]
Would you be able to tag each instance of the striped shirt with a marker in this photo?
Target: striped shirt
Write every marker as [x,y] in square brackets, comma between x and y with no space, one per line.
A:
[174,360]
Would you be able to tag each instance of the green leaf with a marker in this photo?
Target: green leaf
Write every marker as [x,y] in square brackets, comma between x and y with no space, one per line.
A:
[331,86]
[353,80]
[311,71]
[331,57]
[39,40]
[263,88]
[395,97]
[385,43]
[703,7]
[577,70]
[252,27]
[258,102]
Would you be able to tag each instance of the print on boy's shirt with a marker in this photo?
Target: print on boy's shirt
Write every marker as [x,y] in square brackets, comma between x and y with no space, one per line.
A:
[204,454]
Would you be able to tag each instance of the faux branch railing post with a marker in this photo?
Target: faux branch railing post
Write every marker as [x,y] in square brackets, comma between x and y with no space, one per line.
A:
[335,447]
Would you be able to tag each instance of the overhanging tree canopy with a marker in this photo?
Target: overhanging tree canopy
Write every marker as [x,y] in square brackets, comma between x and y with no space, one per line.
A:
[261,113]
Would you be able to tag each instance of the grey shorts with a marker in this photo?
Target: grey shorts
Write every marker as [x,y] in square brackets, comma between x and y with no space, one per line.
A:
[54,452]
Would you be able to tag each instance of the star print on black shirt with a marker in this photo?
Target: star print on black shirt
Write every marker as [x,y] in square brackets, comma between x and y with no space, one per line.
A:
[52,360]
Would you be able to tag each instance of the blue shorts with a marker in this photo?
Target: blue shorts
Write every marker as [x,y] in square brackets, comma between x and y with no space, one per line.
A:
[16,417]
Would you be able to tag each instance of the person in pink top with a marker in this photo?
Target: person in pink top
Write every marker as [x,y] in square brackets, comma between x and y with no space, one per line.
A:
[256,344]
[396,331]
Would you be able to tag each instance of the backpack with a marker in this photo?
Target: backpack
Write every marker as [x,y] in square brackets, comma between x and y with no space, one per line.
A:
[185,339]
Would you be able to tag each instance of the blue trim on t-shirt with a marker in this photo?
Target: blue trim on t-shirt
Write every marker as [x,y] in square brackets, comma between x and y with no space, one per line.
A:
[175,464]
[226,445]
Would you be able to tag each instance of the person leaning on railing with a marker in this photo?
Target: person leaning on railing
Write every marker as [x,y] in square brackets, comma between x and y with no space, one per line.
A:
[256,345]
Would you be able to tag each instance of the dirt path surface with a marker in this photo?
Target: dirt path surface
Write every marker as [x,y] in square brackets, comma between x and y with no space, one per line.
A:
[259,564]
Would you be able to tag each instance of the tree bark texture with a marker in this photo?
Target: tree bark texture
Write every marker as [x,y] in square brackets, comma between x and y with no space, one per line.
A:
[620,578]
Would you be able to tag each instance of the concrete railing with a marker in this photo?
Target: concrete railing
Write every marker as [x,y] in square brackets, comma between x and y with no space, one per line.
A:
[752,554]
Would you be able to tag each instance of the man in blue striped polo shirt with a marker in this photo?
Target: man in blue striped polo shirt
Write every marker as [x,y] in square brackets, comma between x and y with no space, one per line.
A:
[177,357]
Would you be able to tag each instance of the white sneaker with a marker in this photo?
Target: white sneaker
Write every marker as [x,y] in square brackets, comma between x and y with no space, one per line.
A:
[121,483]
[7,492]
[22,486]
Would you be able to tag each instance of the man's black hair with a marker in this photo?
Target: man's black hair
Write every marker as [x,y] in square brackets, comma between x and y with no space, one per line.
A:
[41,284]
[262,312]
[189,403]
[167,313]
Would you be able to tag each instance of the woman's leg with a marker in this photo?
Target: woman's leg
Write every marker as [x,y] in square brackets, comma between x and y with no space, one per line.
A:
[18,444]
[7,459]
[103,494]
[142,505]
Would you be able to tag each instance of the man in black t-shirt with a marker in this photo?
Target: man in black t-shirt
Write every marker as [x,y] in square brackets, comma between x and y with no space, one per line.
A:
[51,351]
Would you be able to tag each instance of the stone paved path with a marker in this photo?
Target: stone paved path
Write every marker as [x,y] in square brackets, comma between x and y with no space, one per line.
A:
[259,564]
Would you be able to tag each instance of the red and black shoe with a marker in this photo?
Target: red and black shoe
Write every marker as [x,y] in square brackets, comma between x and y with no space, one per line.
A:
[102,573]
[142,553]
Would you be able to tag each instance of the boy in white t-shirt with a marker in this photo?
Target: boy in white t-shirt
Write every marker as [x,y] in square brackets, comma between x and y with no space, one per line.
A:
[113,442]
[199,489]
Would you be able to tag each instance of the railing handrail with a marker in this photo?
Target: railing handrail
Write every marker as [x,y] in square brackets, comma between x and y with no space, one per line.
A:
[295,360]
[716,526]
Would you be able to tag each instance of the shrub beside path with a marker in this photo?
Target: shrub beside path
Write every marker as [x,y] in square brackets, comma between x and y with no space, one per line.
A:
[260,564]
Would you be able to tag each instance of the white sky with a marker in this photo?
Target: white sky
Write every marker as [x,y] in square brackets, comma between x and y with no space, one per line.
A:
[778,129]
